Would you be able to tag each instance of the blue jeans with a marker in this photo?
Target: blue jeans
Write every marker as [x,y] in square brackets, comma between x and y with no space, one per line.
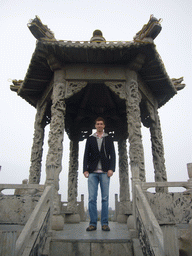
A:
[93,182]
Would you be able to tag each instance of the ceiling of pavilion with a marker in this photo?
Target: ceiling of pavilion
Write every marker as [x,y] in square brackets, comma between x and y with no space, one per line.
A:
[95,100]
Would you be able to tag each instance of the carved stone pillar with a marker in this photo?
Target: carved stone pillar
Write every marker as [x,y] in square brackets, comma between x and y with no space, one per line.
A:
[157,148]
[136,151]
[37,149]
[73,217]
[124,206]
[56,134]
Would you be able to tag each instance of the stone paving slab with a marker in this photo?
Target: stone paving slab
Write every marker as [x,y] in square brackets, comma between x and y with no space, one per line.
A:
[119,233]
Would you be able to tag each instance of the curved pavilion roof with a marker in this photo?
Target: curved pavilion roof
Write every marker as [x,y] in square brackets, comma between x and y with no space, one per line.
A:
[39,73]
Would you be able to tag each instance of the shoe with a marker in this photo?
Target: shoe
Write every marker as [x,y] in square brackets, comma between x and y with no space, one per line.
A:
[91,228]
[105,228]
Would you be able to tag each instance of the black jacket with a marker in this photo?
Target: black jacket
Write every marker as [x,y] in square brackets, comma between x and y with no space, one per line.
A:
[92,154]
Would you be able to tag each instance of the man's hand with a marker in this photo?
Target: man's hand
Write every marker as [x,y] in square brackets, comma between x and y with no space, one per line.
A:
[110,173]
[86,174]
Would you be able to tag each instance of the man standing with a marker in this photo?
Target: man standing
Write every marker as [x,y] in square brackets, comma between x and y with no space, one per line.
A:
[98,167]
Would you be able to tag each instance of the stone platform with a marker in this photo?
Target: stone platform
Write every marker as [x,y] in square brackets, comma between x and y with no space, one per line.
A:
[75,240]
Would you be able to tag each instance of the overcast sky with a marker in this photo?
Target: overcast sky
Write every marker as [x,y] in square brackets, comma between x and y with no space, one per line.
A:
[76,20]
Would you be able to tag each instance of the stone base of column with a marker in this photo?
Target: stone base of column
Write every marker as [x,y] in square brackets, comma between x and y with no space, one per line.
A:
[125,209]
[57,222]
[130,225]
[130,222]
[122,218]
[72,218]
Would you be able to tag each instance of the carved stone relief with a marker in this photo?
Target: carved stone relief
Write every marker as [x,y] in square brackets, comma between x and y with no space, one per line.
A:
[72,177]
[42,236]
[73,87]
[143,238]
[171,207]
[157,147]
[118,88]
[134,124]
[55,141]
[37,149]
[123,176]
[17,209]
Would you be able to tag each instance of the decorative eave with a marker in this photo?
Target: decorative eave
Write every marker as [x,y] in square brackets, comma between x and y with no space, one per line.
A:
[39,73]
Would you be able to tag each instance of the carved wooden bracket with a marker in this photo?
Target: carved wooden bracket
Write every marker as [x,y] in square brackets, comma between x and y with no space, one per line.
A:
[118,88]
[73,87]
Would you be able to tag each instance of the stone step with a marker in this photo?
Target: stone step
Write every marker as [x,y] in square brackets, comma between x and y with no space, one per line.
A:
[75,240]
[8,236]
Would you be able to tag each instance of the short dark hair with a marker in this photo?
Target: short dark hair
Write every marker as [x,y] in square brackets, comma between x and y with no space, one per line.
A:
[100,119]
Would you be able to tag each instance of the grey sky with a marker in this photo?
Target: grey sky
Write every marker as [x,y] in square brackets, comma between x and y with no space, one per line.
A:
[76,20]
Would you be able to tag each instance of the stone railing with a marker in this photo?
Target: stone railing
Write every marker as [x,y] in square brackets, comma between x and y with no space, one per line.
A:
[146,223]
[17,204]
[21,187]
[149,231]
[80,209]
[177,184]
[35,233]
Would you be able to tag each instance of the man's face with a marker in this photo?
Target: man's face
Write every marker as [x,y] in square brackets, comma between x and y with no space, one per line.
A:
[99,126]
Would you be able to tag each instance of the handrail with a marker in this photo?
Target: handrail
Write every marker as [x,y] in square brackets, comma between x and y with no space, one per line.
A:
[184,184]
[25,186]
[43,206]
[147,223]
[21,186]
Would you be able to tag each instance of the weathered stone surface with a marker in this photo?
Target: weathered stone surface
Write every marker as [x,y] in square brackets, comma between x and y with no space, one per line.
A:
[90,249]
[170,240]
[157,147]
[7,242]
[185,241]
[124,181]
[56,134]
[72,177]
[57,222]
[136,151]
[114,249]
[37,149]
[69,248]
[130,222]
[122,218]
[17,209]
[72,218]
[170,207]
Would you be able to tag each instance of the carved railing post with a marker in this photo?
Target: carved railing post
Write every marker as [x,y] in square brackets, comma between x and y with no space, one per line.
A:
[136,152]
[56,135]
[124,206]
[37,149]
[157,148]
[72,182]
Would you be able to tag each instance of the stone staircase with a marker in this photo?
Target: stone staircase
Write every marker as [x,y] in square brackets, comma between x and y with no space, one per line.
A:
[75,240]
[35,237]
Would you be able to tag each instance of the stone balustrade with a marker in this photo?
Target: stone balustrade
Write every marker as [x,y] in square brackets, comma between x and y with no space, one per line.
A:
[159,215]
[35,233]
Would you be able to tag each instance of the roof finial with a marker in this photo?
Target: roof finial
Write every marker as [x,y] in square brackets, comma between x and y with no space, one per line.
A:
[97,36]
